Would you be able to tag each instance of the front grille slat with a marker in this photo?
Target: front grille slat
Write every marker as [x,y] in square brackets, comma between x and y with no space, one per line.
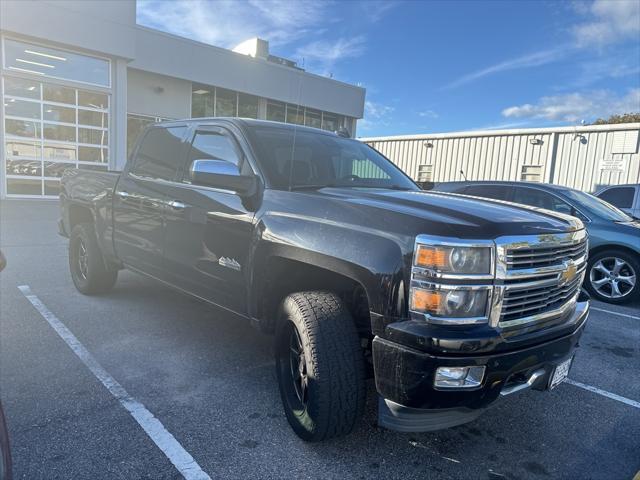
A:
[541,292]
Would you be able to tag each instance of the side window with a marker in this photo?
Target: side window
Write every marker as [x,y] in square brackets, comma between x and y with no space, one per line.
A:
[621,197]
[212,146]
[540,199]
[159,153]
[497,192]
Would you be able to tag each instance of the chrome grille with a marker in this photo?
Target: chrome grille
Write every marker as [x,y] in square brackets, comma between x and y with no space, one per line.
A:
[531,257]
[524,301]
[540,278]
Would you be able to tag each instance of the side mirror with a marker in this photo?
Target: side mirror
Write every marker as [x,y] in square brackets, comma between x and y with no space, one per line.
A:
[221,174]
[426,185]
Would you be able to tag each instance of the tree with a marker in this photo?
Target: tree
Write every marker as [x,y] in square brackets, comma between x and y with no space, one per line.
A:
[624,118]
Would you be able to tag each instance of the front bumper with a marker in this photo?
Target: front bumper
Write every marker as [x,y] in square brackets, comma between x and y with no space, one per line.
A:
[405,378]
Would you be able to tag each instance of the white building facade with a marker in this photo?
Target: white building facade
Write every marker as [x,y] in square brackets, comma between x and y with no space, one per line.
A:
[584,157]
[80,80]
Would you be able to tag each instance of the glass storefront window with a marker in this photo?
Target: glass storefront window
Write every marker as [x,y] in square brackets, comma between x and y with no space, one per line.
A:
[60,152]
[22,108]
[295,114]
[35,59]
[93,100]
[23,186]
[276,111]
[92,154]
[202,101]
[47,133]
[93,137]
[226,103]
[59,94]
[56,113]
[32,168]
[313,118]
[330,121]
[22,128]
[247,105]
[19,87]
[62,133]
[16,148]
[90,117]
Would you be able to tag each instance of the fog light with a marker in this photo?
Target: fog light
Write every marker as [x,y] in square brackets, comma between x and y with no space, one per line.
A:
[458,377]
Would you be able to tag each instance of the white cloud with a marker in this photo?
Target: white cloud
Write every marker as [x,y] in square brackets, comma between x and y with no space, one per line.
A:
[608,22]
[529,60]
[611,21]
[574,107]
[502,126]
[293,25]
[226,23]
[324,54]
[428,114]
[375,115]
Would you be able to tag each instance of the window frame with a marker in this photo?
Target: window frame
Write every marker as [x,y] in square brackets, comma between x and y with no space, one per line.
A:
[634,196]
[68,50]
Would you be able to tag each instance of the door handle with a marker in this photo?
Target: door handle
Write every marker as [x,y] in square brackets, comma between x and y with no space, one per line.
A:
[175,205]
[122,194]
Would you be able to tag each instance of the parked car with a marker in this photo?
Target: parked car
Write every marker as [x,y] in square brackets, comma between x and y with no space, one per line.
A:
[625,197]
[5,451]
[449,302]
[614,237]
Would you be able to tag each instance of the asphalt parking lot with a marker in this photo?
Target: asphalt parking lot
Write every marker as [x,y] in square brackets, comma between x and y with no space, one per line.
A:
[209,378]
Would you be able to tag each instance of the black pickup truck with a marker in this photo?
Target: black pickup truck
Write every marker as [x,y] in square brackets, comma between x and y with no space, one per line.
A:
[449,302]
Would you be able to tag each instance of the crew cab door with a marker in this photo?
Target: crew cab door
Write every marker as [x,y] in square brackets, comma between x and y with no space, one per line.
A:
[209,230]
[140,199]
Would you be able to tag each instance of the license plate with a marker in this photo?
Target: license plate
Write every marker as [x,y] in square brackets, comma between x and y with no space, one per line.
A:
[560,373]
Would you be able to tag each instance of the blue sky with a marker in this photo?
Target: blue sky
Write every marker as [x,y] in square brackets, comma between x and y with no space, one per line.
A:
[437,66]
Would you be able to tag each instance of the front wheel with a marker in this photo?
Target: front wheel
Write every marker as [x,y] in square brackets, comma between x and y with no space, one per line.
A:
[89,271]
[320,366]
[613,276]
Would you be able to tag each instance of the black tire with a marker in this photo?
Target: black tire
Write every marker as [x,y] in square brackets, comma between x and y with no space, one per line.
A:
[5,451]
[89,271]
[334,367]
[604,292]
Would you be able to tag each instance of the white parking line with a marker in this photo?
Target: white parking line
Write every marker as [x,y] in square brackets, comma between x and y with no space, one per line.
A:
[614,313]
[166,442]
[604,393]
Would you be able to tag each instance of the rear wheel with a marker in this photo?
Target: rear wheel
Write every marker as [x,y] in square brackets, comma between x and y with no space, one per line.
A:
[613,276]
[320,366]
[89,271]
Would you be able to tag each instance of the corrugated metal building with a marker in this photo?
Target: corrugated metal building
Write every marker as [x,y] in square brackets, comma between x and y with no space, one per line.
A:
[585,157]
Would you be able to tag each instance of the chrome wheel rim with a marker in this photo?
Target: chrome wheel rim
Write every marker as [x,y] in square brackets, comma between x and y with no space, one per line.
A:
[612,277]
[298,366]
[83,260]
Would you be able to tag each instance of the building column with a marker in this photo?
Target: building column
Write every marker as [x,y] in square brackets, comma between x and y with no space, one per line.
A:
[119,116]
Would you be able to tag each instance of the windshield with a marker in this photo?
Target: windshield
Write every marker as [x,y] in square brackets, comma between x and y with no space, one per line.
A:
[304,159]
[597,206]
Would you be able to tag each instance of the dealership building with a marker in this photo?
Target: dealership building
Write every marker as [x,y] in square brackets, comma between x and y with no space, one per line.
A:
[80,80]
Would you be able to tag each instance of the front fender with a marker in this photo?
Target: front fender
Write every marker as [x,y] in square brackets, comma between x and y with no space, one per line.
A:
[372,258]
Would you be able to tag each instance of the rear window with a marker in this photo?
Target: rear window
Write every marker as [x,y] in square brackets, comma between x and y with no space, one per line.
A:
[159,154]
[621,197]
[497,192]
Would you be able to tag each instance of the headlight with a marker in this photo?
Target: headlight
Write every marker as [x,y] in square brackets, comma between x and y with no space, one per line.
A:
[453,302]
[454,259]
[452,280]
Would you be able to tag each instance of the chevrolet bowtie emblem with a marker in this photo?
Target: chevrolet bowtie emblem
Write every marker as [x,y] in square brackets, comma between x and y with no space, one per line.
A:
[569,273]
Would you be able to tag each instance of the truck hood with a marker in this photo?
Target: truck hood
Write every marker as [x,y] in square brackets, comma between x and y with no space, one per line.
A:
[449,214]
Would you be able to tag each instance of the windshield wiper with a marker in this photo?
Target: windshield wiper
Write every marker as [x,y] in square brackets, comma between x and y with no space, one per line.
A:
[311,186]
